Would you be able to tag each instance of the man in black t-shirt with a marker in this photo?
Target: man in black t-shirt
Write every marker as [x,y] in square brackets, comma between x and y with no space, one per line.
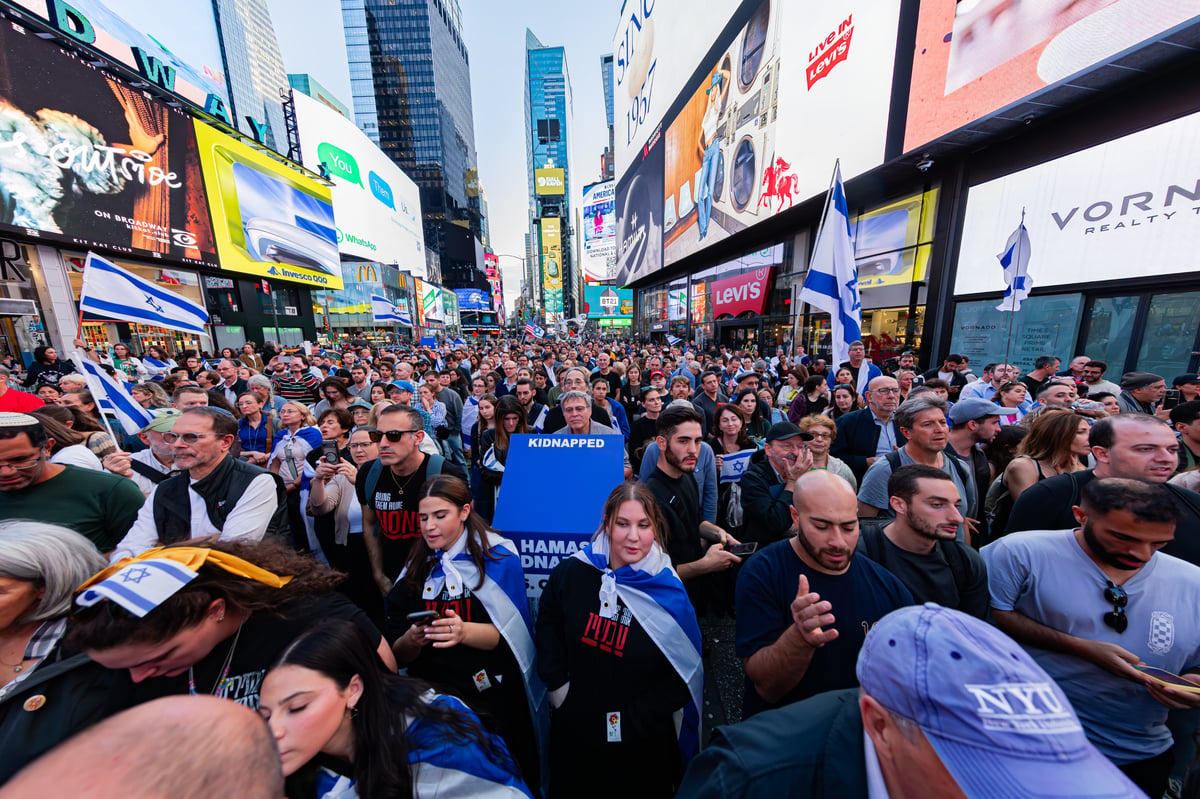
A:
[390,519]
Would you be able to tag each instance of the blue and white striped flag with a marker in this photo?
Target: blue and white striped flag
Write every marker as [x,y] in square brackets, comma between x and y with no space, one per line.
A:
[110,292]
[674,341]
[384,310]
[458,342]
[735,464]
[832,280]
[141,586]
[111,394]
[1015,261]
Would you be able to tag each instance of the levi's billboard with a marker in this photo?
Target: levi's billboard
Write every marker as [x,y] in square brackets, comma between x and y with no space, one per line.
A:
[736,295]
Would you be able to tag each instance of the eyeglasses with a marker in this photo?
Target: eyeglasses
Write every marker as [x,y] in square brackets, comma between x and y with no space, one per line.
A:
[396,435]
[820,434]
[361,444]
[24,464]
[885,391]
[1116,617]
[187,438]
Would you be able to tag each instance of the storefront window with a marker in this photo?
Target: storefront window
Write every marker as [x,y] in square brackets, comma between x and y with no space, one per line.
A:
[1043,326]
[1110,330]
[1170,335]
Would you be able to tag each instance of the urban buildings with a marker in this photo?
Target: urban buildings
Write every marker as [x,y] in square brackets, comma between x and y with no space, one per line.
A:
[254,69]
[312,87]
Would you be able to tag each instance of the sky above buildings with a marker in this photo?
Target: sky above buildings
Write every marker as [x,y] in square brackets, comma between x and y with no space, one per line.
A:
[311,41]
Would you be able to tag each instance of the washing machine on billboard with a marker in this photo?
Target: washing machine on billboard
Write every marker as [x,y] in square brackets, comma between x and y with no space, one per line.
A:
[748,122]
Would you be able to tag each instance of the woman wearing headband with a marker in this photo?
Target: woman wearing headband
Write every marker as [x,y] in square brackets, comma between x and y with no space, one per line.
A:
[207,619]
[619,649]
[347,727]
[459,618]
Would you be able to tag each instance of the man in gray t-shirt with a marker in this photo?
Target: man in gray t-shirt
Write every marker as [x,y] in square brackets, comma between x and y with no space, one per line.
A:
[1090,604]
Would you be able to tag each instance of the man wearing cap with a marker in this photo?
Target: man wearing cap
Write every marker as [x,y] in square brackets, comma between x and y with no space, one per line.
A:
[949,707]
[768,484]
[804,604]
[865,435]
[1188,387]
[1141,392]
[215,494]
[93,503]
[1091,603]
[148,467]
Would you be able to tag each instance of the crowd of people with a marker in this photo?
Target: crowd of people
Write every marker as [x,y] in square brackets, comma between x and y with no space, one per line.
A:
[941,583]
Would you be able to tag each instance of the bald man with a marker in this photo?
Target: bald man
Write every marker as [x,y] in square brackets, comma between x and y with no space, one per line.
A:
[804,604]
[181,747]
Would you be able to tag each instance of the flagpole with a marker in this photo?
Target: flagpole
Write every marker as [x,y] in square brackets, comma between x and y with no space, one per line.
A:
[1013,312]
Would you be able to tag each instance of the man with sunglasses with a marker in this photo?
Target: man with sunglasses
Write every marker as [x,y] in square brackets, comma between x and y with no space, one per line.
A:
[1092,604]
[215,494]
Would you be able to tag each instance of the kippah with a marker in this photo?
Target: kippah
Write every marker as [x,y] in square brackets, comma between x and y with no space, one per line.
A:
[9,419]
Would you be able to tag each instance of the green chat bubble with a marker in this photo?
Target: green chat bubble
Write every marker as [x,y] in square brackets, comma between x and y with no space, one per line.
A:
[339,162]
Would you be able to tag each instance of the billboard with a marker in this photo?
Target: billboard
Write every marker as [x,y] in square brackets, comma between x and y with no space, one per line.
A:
[175,46]
[639,216]
[1121,208]
[429,304]
[549,181]
[973,59]
[608,302]
[86,161]
[599,259]
[376,207]
[269,219]
[758,130]
[473,299]
[551,238]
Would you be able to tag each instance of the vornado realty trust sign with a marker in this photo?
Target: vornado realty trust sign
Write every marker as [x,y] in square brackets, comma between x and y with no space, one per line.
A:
[1127,207]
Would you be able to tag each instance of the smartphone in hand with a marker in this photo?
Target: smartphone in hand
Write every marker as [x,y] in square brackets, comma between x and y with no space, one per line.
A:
[741,550]
[423,617]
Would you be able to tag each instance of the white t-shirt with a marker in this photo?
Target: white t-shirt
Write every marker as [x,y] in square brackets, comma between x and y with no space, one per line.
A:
[77,455]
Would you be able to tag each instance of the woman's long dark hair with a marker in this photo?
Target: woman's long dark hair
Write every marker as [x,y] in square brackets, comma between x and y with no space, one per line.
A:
[743,436]
[755,420]
[506,405]
[420,560]
[339,649]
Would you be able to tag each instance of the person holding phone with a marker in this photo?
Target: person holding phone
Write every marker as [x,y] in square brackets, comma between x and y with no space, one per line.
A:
[458,617]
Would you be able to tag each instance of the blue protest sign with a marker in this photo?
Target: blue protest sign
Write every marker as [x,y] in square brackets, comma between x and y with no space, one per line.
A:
[552,497]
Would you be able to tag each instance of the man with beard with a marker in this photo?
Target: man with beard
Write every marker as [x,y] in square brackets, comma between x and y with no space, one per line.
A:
[804,604]
[768,484]
[673,485]
[919,545]
[1093,603]
[865,436]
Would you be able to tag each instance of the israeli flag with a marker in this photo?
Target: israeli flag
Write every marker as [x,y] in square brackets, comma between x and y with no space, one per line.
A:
[832,280]
[734,465]
[111,394]
[1015,262]
[458,342]
[110,292]
[141,586]
[384,310]
[674,341]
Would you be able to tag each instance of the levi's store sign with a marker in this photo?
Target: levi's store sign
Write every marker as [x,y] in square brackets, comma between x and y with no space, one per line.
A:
[745,292]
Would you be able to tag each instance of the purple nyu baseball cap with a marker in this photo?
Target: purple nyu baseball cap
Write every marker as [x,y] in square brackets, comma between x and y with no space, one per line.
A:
[1000,725]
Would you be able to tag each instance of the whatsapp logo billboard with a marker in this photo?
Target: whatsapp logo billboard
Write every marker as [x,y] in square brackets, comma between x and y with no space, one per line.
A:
[339,163]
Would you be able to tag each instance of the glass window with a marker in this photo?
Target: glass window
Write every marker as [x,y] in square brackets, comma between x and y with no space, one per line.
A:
[1170,335]
[1110,329]
[1043,326]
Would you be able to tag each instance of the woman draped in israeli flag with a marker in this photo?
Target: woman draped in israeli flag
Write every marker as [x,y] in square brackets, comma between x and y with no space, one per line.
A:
[347,727]
[619,649]
[458,617]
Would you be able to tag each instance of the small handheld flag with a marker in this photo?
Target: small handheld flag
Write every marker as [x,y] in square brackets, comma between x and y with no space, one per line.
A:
[112,394]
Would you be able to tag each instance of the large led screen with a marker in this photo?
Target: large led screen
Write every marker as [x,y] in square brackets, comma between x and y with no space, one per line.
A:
[976,57]
[599,232]
[639,216]
[376,207]
[87,161]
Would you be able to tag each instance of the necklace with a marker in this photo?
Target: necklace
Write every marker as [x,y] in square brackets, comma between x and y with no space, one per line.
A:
[17,667]
[224,676]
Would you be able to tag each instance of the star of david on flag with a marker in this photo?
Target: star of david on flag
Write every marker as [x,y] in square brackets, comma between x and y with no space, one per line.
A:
[110,292]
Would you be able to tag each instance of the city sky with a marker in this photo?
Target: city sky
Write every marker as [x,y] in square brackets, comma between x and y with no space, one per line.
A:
[311,40]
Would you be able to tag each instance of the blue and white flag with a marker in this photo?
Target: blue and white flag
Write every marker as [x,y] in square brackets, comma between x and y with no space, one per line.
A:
[1015,261]
[110,292]
[384,310]
[111,394]
[141,586]
[832,280]
[735,464]
[534,330]
[458,342]
[674,341]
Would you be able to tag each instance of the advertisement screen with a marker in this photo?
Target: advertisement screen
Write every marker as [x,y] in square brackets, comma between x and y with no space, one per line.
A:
[599,232]
[473,299]
[87,161]
[375,205]
[608,302]
[973,59]
[173,45]
[549,181]
[761,127]
[639,217]
[551,234]
[431,304]
[1124,207]
[268,219]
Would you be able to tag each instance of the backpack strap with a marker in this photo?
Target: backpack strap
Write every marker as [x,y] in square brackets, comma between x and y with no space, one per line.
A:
[436,462]
[956,559]
[149,472]
[893,459]
[373,475]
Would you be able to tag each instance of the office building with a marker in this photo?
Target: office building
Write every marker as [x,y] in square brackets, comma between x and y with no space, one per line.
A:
[254,69]
[607,166]
[313,88]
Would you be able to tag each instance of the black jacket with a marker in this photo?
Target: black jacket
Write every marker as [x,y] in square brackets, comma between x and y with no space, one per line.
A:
[766,506]
[555,420]
[221,490]
[73,693]
[957,381]
[857,437]
[240,386]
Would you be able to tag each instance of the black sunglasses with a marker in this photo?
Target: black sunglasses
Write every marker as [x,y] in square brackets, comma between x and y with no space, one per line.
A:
[395,435]
[1116,617]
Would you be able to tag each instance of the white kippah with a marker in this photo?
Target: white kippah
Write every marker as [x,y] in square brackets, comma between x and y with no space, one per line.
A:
[8,419]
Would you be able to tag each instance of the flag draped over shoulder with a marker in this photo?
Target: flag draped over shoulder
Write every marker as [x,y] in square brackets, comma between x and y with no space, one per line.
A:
[832,280]
[1015,262]
[110,292]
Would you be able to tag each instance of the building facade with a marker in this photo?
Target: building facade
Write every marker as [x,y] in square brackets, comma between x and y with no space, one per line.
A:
[253,69]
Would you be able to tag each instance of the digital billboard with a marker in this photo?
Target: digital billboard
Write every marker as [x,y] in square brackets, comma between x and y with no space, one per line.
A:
[269,219]
[599,259]
[608,302]
[87,161]
[973,59]
[429,301]
[1121,208]
[473,299]
[549,181]
[376,206]
[551,239]
[639,216]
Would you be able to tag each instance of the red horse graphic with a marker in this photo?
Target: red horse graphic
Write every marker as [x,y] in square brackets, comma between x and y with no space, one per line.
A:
[778,183]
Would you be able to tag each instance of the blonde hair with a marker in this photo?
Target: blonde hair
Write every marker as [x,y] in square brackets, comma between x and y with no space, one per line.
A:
[376,409]
[305,413]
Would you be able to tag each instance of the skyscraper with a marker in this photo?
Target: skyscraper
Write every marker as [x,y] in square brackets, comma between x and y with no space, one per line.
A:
[548,137]
[607,163]
[253,69]
[410,77]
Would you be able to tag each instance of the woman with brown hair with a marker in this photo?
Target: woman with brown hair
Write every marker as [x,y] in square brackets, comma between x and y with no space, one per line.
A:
[68,449]
[510,421]
[619,648]
[458,617]
[207,617]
